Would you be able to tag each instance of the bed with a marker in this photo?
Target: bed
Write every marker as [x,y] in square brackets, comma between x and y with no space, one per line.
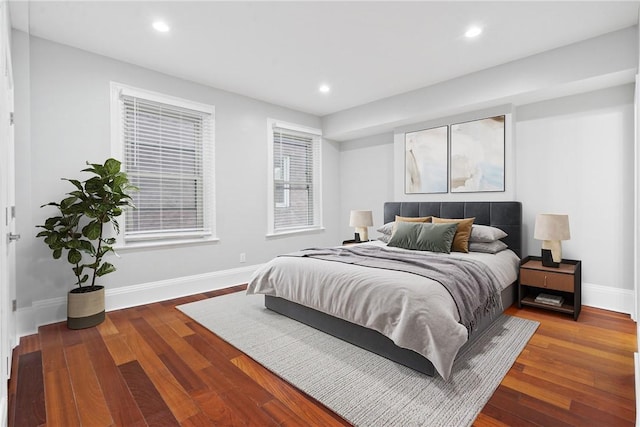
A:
[429,351]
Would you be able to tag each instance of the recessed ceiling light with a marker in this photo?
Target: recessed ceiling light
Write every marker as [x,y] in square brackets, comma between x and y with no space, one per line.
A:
[160,26]
[324,88]
[473,32]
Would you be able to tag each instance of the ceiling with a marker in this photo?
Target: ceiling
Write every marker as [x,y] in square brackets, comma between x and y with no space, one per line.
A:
[280,52]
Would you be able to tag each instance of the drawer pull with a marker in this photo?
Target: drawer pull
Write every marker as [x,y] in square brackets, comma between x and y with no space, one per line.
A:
[545,280]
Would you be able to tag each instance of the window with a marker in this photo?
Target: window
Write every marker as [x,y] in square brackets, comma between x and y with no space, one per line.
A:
[166,146]
[294,181]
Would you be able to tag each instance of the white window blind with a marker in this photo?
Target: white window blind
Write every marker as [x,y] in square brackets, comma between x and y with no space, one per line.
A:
[168,155]
[296,179]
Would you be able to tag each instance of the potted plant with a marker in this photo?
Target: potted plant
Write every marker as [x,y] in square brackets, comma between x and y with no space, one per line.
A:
[78,232]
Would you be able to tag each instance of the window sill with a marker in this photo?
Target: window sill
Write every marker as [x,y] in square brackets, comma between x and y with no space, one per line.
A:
[124,247]
[293,232]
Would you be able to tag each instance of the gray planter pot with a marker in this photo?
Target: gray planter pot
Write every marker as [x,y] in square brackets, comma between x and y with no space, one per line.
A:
[85,307]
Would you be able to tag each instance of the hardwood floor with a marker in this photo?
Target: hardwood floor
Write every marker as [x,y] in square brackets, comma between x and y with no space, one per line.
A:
[152,365]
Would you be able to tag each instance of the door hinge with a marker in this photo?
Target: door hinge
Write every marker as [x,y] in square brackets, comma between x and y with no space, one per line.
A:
[14,305]
[11,119]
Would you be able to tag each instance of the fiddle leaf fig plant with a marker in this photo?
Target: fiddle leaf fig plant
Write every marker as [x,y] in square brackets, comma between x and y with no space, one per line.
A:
[78,229]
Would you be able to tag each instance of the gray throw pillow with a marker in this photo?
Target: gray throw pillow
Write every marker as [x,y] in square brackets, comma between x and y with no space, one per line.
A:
[487,247]
[486,234]
[424,236]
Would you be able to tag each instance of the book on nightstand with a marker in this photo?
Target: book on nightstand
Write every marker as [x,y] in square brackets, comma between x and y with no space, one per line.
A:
[555,300]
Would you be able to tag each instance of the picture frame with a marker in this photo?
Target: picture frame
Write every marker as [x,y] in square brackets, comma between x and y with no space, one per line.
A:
[477,156]
[427,161]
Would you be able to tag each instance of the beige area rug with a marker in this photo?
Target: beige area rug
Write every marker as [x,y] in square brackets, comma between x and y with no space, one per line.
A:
[365,389]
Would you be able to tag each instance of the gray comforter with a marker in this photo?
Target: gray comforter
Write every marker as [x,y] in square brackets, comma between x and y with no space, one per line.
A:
[415,312]
[473,287]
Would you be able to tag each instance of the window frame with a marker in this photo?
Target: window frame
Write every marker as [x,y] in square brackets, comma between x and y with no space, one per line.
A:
[208,158]
[317,179]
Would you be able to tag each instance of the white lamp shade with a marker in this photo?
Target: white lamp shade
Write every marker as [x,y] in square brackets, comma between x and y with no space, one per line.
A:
[360,219]
[552,227]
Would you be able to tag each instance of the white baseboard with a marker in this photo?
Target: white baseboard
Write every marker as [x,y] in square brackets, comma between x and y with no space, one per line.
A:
[54,310]
[608,298]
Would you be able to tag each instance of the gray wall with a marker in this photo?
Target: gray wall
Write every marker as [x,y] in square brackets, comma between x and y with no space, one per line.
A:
[573,155]
[69,124]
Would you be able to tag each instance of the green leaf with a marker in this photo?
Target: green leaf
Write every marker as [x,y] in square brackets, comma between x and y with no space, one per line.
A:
[74,256]
[76,183]
[51,222]
[52,238]
[92,230]
[42,233]
[57,253]
[84,278]
[105,268]
[87,246]
[112,166]
[110,241]
[65,203]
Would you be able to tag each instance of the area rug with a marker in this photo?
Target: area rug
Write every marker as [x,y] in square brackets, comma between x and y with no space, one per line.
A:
[365,389]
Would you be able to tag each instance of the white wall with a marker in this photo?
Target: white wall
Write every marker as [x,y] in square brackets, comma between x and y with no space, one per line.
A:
[69,124]
[509,161]
[575,156]
[571,155]
[366,166]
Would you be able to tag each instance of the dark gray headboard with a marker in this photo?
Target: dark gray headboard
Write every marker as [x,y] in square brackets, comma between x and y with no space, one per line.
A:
[504,215]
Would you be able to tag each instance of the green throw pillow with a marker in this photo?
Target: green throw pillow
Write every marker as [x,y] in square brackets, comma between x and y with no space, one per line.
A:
[424,236]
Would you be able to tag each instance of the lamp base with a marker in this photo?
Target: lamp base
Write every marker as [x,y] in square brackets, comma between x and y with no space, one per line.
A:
[547,259]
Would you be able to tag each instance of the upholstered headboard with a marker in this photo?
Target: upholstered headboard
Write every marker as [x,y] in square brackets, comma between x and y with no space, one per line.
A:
[504,215]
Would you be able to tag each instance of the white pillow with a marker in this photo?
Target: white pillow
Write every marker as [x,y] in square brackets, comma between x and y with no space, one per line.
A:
[485,234]
[385,238]
[386,229]
[487,247]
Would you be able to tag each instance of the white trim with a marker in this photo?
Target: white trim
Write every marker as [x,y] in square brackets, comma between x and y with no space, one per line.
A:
[297,231]
[161,98]
[294,127]
[54,310]
[317,177]
[132,246]
[636,200]
[608,298]
[117,152]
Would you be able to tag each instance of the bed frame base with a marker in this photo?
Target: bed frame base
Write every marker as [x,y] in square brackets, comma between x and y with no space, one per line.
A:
[369,339]
[365,338]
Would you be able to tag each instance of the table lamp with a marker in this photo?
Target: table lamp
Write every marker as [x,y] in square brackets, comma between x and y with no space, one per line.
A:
[361,220]
[551,229]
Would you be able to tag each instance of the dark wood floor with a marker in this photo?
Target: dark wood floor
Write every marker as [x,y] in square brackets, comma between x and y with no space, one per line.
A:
[152,365]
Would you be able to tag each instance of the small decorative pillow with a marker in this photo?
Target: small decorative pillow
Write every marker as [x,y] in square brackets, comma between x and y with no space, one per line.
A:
[413,219]
[385,238]
[423,219]
[461,240]
[424,236]
[487,247]
[486,234]
[386,229]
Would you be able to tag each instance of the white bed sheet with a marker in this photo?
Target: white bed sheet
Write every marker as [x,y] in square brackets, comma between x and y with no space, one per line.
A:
[414,312]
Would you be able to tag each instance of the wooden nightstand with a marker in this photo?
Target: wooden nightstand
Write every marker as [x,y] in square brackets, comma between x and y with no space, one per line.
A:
[565,280]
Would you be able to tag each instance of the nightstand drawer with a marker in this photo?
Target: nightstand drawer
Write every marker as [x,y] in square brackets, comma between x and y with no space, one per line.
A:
[544,279]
